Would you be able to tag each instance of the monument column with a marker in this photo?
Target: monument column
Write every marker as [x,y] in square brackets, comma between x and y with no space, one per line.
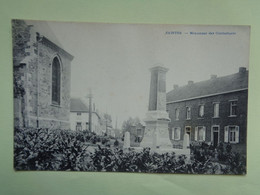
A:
[156,134]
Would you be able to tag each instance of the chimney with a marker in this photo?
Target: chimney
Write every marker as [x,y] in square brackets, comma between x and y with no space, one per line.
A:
[213,76]
[242,70]
[190,82]
[175,86]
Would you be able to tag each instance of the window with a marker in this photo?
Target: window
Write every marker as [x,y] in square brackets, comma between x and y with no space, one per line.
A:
[139,132]
[78,126]
[139,135]
[200,133]
[215,110]
[176,133]
[233,108]
[201,110]
[231,134]
[56,77]
[177,114]
[188,113]
[78,113]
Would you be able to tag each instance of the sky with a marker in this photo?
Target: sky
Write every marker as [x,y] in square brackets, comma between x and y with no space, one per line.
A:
[113,60]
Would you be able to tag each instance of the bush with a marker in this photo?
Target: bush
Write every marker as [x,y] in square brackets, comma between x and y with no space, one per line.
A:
[222,156]
[44,149]
[116,143]
[104,141]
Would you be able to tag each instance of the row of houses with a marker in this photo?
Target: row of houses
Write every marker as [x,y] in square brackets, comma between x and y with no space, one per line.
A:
[211,111]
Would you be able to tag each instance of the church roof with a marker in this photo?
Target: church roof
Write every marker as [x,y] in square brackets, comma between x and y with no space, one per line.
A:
[48,36]
[44,29]
[77,105]
[213,86]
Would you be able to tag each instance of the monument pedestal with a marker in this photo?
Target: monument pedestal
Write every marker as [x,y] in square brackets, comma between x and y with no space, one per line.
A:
[156,134]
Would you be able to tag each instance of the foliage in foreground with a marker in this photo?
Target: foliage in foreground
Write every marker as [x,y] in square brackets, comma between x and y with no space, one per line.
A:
[44,149]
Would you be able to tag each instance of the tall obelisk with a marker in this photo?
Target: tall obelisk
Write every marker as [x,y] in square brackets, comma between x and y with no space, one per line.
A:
[156,134]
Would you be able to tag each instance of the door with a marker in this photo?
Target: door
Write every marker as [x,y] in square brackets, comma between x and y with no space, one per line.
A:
[188,130]
[215,135]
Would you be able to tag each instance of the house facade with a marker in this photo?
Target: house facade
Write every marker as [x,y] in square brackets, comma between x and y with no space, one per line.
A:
[137,132]
[42,71]
[210,111]
[79,118]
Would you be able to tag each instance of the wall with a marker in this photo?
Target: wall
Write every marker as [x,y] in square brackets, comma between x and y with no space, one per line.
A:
[208,120]
[48,111]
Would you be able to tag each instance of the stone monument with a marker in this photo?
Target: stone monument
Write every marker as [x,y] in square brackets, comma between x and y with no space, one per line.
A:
[186,141]
[126,140]
[156,134]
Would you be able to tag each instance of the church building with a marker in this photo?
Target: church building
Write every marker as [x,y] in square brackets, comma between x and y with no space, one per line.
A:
[42,70]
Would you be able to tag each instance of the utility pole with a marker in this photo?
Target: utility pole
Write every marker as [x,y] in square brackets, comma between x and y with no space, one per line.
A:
[90,96]
[106,127]
[116,123]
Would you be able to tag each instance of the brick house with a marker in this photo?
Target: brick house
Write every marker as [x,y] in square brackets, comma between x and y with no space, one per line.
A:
[210,111]
[42,71]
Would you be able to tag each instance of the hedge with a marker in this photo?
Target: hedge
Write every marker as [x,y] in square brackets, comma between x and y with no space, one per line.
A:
[65,150]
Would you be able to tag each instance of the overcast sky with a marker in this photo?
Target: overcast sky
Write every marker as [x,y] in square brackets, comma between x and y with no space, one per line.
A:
[114,59]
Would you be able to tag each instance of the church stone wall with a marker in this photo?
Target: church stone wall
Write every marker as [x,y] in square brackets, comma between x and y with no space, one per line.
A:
[49,115]
[32,60]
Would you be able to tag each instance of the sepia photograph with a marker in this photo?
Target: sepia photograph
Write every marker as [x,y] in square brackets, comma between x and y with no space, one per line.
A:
[140,98]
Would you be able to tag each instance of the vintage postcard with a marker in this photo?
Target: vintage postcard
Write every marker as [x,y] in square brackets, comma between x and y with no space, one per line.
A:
[147,98]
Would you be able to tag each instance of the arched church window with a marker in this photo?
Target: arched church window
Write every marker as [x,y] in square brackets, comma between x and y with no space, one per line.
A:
[56,81]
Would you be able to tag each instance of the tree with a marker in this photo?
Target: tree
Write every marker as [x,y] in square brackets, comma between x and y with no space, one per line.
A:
[108,117]
[129,123]
[107,123]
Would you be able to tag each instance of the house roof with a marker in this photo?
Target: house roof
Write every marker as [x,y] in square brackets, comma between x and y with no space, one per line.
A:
[77,105]
[213,86]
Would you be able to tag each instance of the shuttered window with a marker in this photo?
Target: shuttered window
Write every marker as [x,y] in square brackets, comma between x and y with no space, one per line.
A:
[200,133]
[231,134]
[78,126]
[176,133]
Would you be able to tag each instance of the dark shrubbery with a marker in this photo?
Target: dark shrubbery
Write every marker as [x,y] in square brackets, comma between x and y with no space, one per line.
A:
[116,143]
[221,157]
[106,159]
[43,149]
